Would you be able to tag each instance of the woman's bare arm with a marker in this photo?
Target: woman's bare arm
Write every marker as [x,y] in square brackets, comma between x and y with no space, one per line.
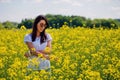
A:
[31,47]
[48,45]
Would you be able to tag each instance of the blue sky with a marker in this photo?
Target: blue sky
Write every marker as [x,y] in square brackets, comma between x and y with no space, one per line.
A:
[16,10]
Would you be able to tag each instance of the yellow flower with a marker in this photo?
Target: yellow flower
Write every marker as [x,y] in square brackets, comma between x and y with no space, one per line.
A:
[75,55]
[23,27]
[33,49]
[47,49]
[40,55]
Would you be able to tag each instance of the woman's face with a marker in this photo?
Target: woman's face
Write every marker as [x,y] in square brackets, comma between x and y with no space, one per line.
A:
[41,26]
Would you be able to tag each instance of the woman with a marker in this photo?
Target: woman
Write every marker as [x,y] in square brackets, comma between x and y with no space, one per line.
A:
[37,41]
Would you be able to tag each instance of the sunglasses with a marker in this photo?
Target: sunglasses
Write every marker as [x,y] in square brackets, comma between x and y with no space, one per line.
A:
[42,25]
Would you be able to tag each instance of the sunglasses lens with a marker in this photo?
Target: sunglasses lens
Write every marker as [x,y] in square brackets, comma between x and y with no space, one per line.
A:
[42,25]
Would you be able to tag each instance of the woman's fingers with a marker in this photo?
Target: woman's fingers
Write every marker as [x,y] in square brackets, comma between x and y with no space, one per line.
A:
[26,55]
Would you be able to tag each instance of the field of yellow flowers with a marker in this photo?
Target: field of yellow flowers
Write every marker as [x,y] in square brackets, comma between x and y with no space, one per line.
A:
[77,54]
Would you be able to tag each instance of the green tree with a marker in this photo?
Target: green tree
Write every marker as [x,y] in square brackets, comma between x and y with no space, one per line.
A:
[27,23]
[1,26]
[9,25]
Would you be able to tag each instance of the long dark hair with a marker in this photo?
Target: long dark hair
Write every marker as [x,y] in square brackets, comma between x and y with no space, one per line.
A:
[34,30]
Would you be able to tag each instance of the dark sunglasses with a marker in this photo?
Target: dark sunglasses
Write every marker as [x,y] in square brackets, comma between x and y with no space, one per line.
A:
[42,25]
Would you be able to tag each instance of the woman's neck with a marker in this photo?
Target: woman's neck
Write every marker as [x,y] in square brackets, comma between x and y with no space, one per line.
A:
[38,34]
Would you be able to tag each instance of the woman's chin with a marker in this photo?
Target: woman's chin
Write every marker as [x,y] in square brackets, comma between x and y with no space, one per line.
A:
[40,31]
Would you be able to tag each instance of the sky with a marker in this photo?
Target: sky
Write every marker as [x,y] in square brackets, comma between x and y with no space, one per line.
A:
[16,10]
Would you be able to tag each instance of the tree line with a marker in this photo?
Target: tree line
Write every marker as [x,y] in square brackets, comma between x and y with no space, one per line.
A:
[56,21]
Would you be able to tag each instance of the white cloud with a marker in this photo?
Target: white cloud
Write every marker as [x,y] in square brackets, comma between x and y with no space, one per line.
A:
[100,1]
[24,1]
[116,8]
[38,1]
[69,2]
[32,1]
[64,10]
[5,1]
[61,1]
[76,3]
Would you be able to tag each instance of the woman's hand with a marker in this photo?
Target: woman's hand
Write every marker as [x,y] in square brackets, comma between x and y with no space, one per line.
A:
[40,51]
[44,51]
[27,54]
[46,56]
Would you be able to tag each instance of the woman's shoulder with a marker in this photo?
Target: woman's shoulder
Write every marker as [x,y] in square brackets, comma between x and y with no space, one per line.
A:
[27,38]
[48,36]
[47,33]
[28,35]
